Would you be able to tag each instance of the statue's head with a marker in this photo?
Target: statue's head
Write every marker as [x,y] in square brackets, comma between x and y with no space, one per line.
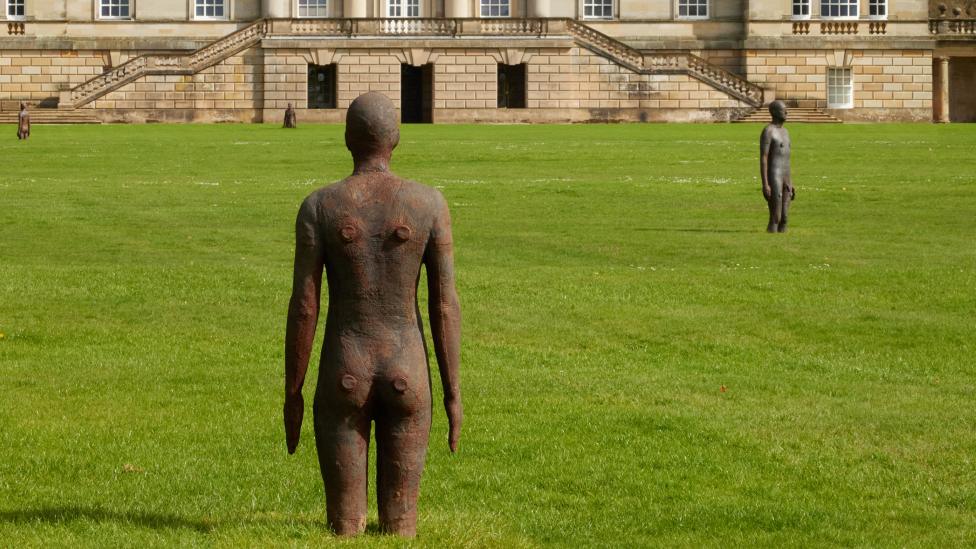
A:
[372,125]
[289,106]
[777,109]
[23,105]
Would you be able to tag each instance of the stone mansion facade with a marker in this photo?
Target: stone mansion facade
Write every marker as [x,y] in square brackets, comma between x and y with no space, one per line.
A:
[490,60]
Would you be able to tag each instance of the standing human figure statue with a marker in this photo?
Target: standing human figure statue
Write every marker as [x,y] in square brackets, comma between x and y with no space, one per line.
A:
[371,232]
[291,120]
[774,168]
[23,122]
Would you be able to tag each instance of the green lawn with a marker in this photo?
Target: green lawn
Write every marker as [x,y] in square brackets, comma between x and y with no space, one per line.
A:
[613,280]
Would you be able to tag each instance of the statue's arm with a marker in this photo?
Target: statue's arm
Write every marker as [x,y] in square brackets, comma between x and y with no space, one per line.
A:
[303,316]
[445,317]
[789,172]
[765,142]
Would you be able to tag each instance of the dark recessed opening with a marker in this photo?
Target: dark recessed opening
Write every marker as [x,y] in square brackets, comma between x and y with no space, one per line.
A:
[322,86]
[416,94]
[511,86]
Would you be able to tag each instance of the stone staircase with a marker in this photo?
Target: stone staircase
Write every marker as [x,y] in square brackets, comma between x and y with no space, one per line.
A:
[665,63]
[143,65]
[50,116]
[807,115]
[606,46]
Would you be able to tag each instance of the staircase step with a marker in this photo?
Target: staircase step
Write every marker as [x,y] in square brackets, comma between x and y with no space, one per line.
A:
[805,115]
[52,116]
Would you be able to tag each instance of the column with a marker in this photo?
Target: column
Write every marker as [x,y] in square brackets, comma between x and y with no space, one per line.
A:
[275,9]
[942,113]
[354,8]
[457,8]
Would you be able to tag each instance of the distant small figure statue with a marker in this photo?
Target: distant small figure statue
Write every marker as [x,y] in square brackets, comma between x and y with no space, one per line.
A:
[371,233]
[23,122]
[291,120]
[774,168]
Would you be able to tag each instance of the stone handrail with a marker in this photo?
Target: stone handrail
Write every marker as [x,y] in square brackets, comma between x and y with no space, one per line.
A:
[617,50]
[675,62]
[958,27]
[143,65]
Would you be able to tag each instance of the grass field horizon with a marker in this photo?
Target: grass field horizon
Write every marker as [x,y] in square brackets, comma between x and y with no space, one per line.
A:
[642,365]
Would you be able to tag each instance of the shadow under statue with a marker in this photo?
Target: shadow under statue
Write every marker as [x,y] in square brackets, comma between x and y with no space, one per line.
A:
[774,168]
[371,232]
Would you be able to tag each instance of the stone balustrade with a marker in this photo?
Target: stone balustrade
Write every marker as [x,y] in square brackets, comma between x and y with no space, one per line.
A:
[957,27]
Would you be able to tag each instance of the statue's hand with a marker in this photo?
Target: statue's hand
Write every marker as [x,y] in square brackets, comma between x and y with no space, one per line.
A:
[294,412]
[767,192]
[455,415]
[792,192]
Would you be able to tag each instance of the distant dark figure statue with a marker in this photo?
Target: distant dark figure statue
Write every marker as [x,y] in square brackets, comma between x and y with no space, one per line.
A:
[774,168]
[291,120]
[371,232]
[23,122]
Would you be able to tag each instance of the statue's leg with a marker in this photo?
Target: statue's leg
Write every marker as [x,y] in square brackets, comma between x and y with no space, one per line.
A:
[785,201]
[775,204]
[342,440]
[402,432]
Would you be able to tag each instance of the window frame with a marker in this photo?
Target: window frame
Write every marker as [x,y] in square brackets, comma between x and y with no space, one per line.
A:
[224,5]
[129,6]
[697,5]
[14,3]
[801,4]
[873,4]
[849,93]
[849,3]
[610,5]
[404,6]
[325,9]
[506,4]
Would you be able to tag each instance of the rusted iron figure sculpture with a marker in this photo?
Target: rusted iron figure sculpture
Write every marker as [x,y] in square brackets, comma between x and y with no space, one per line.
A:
[291,120]
[774,168]
[371,232]
[23,122]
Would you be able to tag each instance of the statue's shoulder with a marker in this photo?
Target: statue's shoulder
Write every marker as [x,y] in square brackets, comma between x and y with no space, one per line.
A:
[426,194]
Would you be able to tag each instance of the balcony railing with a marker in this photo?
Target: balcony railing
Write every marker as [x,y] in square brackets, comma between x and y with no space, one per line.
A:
[445,27]
[953,27]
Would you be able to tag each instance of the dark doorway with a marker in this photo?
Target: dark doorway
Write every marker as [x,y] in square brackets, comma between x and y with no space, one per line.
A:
[962,82]
[322,86]
[511,86]
[416,94]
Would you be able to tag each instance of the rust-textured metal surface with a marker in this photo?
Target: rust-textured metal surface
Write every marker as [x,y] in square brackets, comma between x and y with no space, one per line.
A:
[291,119]
[23,122]
[370,233]
[774,168]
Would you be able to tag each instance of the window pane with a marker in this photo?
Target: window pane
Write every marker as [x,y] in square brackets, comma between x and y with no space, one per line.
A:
[838,8]
[495,8]
[693,8]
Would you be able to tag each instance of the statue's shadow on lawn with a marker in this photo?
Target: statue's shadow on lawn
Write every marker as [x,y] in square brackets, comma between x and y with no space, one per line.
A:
[690,230]
[59,515]
[157,521]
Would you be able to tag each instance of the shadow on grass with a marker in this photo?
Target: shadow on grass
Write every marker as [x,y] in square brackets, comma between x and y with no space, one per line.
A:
[157,521]
[59,515]
[702,230]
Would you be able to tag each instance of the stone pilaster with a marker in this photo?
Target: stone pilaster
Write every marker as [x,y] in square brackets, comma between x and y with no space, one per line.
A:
[942,112]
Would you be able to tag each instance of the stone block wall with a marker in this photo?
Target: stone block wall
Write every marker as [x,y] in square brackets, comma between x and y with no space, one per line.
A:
[887,84]
[38,75]
[232,90]
[563,85]
[730,60]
